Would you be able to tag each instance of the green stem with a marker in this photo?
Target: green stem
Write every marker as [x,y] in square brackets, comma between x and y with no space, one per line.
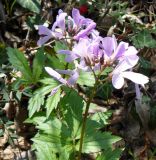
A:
[12,5]
[85,118]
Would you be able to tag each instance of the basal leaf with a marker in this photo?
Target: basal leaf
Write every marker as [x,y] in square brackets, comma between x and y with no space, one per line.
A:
[18,60]
[144,39]
[32,5]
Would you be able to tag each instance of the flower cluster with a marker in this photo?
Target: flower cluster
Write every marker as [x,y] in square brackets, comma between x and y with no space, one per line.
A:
[90,52]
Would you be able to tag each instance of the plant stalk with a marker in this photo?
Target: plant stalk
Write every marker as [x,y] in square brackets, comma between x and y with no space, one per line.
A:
[85,118]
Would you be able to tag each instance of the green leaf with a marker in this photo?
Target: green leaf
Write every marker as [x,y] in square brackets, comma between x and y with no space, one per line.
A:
[3,58]
[110,154]
[38,64]
[37,100]
[145,66]
[96,141]
[18,60]
[144,39]
[51,126]
[31,21]
[152,119]
[1,132]
[35,104]
[106,71]
[55,62]
[86,78]
[52,141]
[49,81]
[52,102]
[55,135]
[60,46]
[44,152]
[105,90]
[32,5]
[102,117]
[46,89]
[144,63]
[54,128]
[73,104]
[54,145]
[36,118]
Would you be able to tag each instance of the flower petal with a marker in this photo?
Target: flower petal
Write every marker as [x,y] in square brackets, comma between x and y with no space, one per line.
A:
[117,81]
[84,32]
[76,16]
[132,60]
[70,56]
[122,66]
[60,21]
[120,50]
[46,33]
[136,77]
[55,75]
[64,52]
[108,45]
[42,30]
[67,72]
[72,80]
[43,40]
[131,51]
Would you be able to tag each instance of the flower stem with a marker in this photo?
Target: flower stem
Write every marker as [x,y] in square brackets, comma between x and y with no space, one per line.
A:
[85,118]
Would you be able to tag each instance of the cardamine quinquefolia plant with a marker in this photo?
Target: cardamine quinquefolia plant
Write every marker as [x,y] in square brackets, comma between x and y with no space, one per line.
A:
[89,52]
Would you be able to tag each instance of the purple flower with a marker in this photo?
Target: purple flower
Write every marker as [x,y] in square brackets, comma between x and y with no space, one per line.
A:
[114,51]
[46,34]
[66,26]
[57,30]
[70,82]
[82,26]
[59,25]
[77,25]
[87,51]
[120,72]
